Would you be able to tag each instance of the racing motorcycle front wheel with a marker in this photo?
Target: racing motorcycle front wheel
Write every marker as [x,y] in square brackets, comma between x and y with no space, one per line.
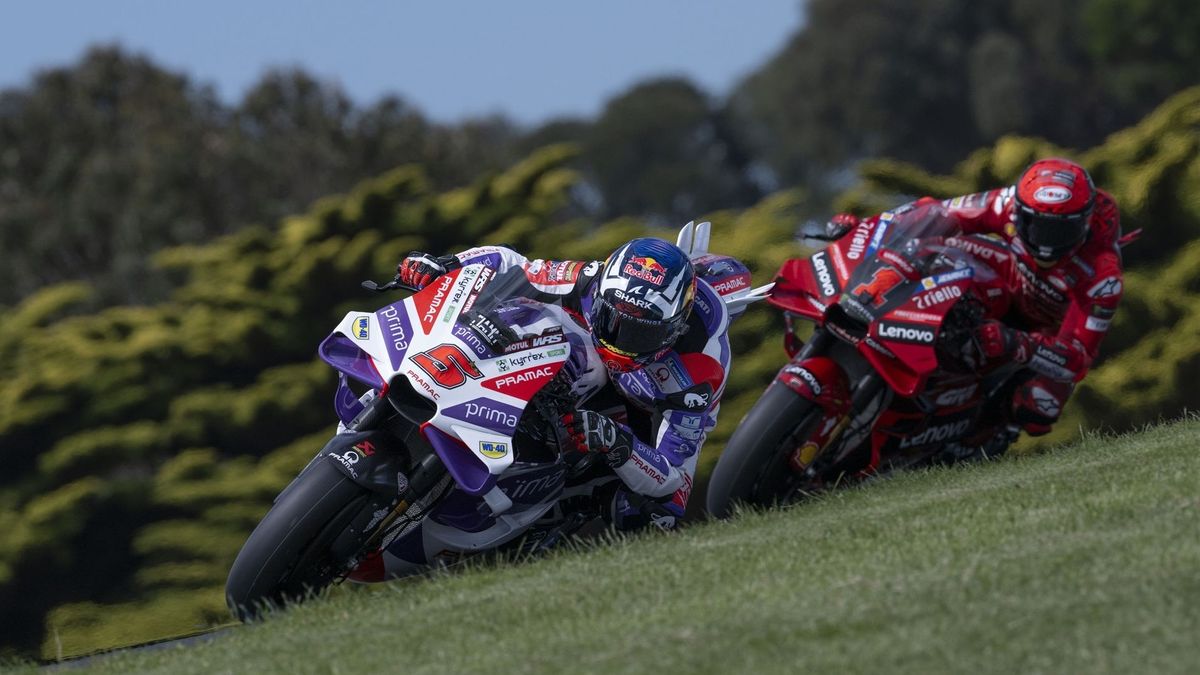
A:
[291,553]
[754,469]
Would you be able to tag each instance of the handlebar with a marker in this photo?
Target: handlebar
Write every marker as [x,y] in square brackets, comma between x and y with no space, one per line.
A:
[392,285]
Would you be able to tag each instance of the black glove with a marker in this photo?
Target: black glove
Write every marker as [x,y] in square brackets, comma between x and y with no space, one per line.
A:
[419,269]
[588,431]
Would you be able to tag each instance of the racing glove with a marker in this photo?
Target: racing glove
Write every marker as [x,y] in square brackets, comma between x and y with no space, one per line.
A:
[419,269]
[1000,343]
[1038,403]
[840,224]
[1044,355]
[591,432]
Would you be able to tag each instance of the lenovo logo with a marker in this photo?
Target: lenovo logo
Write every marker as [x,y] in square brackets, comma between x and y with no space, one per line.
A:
[905,333]
[824,276]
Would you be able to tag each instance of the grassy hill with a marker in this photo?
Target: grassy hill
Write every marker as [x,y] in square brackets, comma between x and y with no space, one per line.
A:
[1083,559]
[141,444]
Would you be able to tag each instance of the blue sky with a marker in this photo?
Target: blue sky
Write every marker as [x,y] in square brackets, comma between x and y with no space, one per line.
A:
[532,59]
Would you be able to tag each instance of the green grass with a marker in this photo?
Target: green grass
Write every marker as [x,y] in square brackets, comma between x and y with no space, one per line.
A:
[1084,559]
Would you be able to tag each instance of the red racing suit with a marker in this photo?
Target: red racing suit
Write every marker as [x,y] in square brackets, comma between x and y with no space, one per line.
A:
[1066,308]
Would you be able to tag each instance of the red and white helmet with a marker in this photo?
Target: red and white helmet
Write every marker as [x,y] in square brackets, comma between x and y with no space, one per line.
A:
[1054,199]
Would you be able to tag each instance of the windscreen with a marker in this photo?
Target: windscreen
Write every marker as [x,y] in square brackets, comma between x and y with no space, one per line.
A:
[505,310]
[918,236]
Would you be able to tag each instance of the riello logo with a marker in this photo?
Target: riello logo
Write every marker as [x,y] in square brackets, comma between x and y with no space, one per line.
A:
[858,242]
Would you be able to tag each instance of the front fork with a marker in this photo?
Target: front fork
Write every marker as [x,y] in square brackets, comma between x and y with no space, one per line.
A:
[396,483]
[812,374]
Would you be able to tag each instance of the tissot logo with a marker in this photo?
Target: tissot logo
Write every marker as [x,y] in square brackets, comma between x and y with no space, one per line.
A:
[905,333]
[820,265]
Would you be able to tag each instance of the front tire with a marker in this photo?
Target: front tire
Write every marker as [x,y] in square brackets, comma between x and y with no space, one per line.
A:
[754,467]
[289,554]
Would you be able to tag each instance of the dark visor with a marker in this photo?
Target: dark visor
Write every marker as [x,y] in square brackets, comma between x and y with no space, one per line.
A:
[630,334]
[1059,234]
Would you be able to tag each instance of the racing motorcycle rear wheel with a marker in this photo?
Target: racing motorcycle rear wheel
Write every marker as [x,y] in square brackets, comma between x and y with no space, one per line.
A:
[754,468]
[290,553]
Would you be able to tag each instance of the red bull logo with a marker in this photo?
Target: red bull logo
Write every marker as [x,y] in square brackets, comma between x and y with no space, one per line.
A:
[646,269]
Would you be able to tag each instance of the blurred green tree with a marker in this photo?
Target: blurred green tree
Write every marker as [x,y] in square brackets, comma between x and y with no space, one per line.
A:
[927,81]
[107,161]
[662,149]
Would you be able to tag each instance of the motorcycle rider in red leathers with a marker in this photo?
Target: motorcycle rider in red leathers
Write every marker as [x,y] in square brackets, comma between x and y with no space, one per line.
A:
[1066,283]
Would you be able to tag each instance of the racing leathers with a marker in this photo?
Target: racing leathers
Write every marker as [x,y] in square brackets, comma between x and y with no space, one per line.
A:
[667,407]
[1060,312]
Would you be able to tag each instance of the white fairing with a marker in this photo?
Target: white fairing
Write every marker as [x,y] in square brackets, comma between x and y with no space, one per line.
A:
[491,392]
[432,327]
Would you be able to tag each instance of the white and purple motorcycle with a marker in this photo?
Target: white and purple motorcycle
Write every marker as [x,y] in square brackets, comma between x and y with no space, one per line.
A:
[452,451]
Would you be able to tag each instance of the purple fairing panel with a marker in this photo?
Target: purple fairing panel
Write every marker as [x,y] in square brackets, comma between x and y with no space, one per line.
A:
[528,487]
[465,468]
[708,305]
[410,547]
[725,274]
[345,402]
[472,340]
[536,485]
[521,311]
[463,512]
[486,413]
[340,352]
[394,321]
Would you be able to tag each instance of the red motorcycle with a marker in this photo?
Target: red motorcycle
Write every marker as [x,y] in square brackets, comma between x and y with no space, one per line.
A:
[891,375]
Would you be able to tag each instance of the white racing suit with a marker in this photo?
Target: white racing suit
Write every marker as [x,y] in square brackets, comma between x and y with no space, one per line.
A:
[669,406]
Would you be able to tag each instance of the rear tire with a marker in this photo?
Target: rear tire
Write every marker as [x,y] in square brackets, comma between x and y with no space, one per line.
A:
[289,554]
[754,468]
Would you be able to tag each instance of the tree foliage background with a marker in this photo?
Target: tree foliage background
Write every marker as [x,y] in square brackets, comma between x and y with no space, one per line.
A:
[158,383]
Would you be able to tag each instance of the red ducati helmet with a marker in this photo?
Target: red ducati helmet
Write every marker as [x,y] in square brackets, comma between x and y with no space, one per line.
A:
[1054,199]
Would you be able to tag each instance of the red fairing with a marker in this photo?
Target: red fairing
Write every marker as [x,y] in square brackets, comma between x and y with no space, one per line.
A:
[795,291]
[430,301]
[821,380]
[371,569]
[806,286]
